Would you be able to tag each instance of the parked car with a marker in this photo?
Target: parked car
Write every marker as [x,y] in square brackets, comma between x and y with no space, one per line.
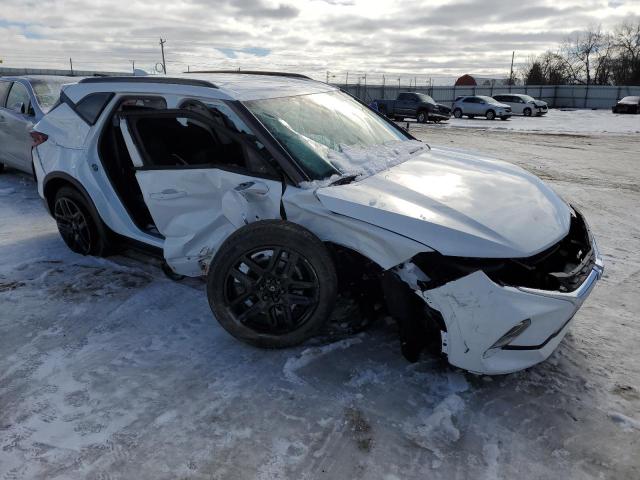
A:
[627,105]
[523,104]
[414,105]
[285,193]
[480,106]
[23,102]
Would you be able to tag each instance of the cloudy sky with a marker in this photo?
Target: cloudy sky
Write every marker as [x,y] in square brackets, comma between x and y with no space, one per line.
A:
[427,38]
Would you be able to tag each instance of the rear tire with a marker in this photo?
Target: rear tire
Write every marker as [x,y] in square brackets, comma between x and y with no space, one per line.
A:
[1,167]
[490,115]
[457,113]
[272,284]
[79,229]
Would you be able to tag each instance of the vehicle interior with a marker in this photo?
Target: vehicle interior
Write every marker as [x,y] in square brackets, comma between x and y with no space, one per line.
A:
[196,136]
[118,165]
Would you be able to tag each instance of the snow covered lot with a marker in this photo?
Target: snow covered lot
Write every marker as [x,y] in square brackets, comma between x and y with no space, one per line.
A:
[560,121]
[108,370]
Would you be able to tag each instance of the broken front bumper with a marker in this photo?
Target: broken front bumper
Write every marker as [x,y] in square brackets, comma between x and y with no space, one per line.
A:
[495,329]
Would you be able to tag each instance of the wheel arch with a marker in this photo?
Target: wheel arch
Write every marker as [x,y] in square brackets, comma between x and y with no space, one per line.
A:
[55,181]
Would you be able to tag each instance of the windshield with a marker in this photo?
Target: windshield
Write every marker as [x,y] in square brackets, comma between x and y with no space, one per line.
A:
[319,129]
[527,98]
[488,99]
[426,98]
[47,91]
[631,99]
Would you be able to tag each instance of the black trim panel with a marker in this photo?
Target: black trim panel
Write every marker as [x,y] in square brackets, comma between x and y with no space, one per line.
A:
[256,72]
[538,347]
[164,80]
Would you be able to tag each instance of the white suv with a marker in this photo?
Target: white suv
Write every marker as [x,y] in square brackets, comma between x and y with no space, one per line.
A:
[480,106]
[286,193]
[523,104]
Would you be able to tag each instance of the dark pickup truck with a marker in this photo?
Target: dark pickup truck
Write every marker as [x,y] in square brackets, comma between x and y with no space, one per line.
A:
[414,105]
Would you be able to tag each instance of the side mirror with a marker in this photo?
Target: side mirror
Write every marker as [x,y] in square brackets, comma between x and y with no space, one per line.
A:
[18,107]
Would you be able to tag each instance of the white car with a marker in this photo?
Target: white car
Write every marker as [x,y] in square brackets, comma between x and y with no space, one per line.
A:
[480,106]
[285,192]
[523,104]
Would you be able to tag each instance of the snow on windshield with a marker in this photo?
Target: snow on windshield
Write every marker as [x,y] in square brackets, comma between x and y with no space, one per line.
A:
[327,133]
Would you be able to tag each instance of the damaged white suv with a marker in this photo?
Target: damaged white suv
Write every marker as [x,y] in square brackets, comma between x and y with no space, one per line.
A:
[287,193]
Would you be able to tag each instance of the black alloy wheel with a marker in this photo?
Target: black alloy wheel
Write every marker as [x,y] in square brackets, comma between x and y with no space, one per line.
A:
[271,290]
[272,284]
[81,230]
[73,225]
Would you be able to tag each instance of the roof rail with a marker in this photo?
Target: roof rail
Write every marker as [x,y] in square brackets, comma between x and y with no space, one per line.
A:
[255,72]
[150,79]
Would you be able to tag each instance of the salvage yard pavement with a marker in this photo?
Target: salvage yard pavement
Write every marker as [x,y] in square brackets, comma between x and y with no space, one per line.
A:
[110,370]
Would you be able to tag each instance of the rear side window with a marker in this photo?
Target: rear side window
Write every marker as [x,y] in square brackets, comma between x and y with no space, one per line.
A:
[18,99]
[91,107]
[182,140]
[4,91]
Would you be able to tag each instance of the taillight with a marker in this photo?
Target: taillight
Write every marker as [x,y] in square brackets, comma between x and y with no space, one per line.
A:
[38,138]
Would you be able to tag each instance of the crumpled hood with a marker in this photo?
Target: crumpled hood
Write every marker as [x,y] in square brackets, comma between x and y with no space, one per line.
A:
[457,204]
[539,103]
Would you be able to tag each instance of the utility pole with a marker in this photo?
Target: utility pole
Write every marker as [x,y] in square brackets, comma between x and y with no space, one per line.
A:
[71,65]
[164,65]
[511,72]
[133,67]
[347,81]
[327,77]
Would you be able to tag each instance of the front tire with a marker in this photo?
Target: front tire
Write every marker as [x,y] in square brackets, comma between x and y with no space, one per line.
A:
[272,284]
[527,112]
[457,113]
[1,167]
[422,117]
[77,226]
[490,115]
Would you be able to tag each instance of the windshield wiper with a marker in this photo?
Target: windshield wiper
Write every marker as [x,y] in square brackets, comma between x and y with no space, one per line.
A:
[344,180]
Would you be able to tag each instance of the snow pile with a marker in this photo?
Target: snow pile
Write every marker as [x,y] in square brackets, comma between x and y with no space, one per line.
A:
[309,355]
[627,423]
[435,429]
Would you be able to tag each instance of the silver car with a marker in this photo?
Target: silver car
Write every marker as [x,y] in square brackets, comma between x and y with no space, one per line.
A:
[523,104]
[480,106]
[23,102]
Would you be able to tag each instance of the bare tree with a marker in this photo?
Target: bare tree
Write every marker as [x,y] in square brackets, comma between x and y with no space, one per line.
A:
[582,48]
[626,68]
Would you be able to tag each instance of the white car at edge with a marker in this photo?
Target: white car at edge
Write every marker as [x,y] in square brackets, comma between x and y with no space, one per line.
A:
[523,104]
[285,192]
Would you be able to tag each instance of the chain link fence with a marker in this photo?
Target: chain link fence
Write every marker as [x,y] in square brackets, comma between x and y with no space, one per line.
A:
[557,96]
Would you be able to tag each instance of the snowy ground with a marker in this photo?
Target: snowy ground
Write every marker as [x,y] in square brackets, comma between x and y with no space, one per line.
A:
[108,370]
[560,121]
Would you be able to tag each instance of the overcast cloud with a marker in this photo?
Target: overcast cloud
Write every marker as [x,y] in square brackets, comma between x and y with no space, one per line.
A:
[423,38]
